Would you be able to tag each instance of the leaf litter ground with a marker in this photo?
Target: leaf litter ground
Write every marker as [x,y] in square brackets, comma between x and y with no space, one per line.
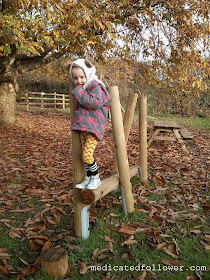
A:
[36,197]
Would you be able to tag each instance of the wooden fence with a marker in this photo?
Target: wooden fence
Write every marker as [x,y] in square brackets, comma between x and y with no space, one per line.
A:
[44,100]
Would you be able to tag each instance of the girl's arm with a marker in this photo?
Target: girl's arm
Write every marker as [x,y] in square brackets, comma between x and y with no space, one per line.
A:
[92,99]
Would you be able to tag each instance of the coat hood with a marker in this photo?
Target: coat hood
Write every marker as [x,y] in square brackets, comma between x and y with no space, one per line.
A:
[88,68]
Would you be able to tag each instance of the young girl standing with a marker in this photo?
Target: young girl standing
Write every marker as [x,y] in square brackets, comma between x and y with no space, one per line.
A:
[93,101]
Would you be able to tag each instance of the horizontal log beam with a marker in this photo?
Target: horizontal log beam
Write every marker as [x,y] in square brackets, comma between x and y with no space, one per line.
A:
[107,185]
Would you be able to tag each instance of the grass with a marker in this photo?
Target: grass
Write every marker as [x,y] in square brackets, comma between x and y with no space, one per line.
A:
[191,251]
[195,122]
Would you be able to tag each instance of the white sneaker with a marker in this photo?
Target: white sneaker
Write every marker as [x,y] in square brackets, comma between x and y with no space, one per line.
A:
[94,183]
[84,184]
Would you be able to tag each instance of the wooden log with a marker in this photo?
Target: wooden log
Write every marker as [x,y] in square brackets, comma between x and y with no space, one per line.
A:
[143,137]
[88,197]
[120,147]
[127,121]
[54,262]
[78,167]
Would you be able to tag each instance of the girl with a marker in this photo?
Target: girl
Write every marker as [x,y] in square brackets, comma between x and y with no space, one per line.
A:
[93,101]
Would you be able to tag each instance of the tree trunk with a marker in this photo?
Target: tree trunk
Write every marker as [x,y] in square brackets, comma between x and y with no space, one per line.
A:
[7,103]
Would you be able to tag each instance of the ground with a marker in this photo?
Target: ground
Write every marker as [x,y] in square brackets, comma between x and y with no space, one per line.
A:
[36,194]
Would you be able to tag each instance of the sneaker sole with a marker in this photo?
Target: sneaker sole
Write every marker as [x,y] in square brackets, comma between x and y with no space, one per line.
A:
[93,188]
[81,188]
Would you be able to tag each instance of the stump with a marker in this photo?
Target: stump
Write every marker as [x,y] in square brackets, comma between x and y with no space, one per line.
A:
[54,262]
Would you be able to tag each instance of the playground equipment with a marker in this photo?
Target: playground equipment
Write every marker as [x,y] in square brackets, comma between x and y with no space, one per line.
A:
[84,198]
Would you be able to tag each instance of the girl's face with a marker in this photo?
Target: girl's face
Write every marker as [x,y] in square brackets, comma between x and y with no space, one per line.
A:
[78,76]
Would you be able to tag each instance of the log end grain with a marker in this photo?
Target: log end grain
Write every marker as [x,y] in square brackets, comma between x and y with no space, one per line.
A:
[54,262]
[87,196]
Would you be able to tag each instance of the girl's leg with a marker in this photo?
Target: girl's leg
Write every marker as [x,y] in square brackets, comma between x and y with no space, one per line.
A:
[83,185]
[88,158]
[89,142]
[83,136]
[89,145]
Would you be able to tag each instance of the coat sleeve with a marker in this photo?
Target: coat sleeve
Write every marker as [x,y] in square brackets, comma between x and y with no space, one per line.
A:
[90,99]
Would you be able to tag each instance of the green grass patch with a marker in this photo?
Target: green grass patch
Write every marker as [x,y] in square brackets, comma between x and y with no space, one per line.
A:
[39,205]
[196,122]
[156,196]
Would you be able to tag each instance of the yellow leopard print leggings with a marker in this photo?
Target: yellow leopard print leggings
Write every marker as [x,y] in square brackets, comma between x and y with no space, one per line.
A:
[89,142]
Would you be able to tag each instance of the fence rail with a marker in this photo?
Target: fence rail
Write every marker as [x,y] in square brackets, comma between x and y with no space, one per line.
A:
[44,100]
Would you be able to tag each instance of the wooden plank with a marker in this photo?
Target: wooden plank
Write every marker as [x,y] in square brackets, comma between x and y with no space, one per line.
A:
[186,134]
[166,124]
[181,142]
[151,139]
[165,138]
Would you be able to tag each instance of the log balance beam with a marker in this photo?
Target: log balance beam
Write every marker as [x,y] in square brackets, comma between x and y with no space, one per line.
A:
[88,197]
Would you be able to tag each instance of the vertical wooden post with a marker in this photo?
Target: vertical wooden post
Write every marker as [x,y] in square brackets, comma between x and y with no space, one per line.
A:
[27,101]
[78,167]
[143,137]
[120,147]
[42,100]
[54,100]
[127,121]
[63,101]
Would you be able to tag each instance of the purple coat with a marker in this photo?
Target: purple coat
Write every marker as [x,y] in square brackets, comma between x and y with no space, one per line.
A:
[92,108]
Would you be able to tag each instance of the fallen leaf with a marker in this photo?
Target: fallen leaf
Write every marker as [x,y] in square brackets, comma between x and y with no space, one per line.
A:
[161,246]
[207,237]
[102,257]
[47,245]
[190,277]
[14,234]
[3,270]
[83,268]
[108,239]
[140,210]
[170,262]
[95,255]
[4,255]
[38,237]
[39,241]
[110,246]
[143,275]
[23,261]
[125,256]
[129,242]
[127,230]
[167,251]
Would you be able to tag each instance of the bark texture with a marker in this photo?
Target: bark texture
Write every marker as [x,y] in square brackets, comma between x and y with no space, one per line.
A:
[10,67]
[7,103]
